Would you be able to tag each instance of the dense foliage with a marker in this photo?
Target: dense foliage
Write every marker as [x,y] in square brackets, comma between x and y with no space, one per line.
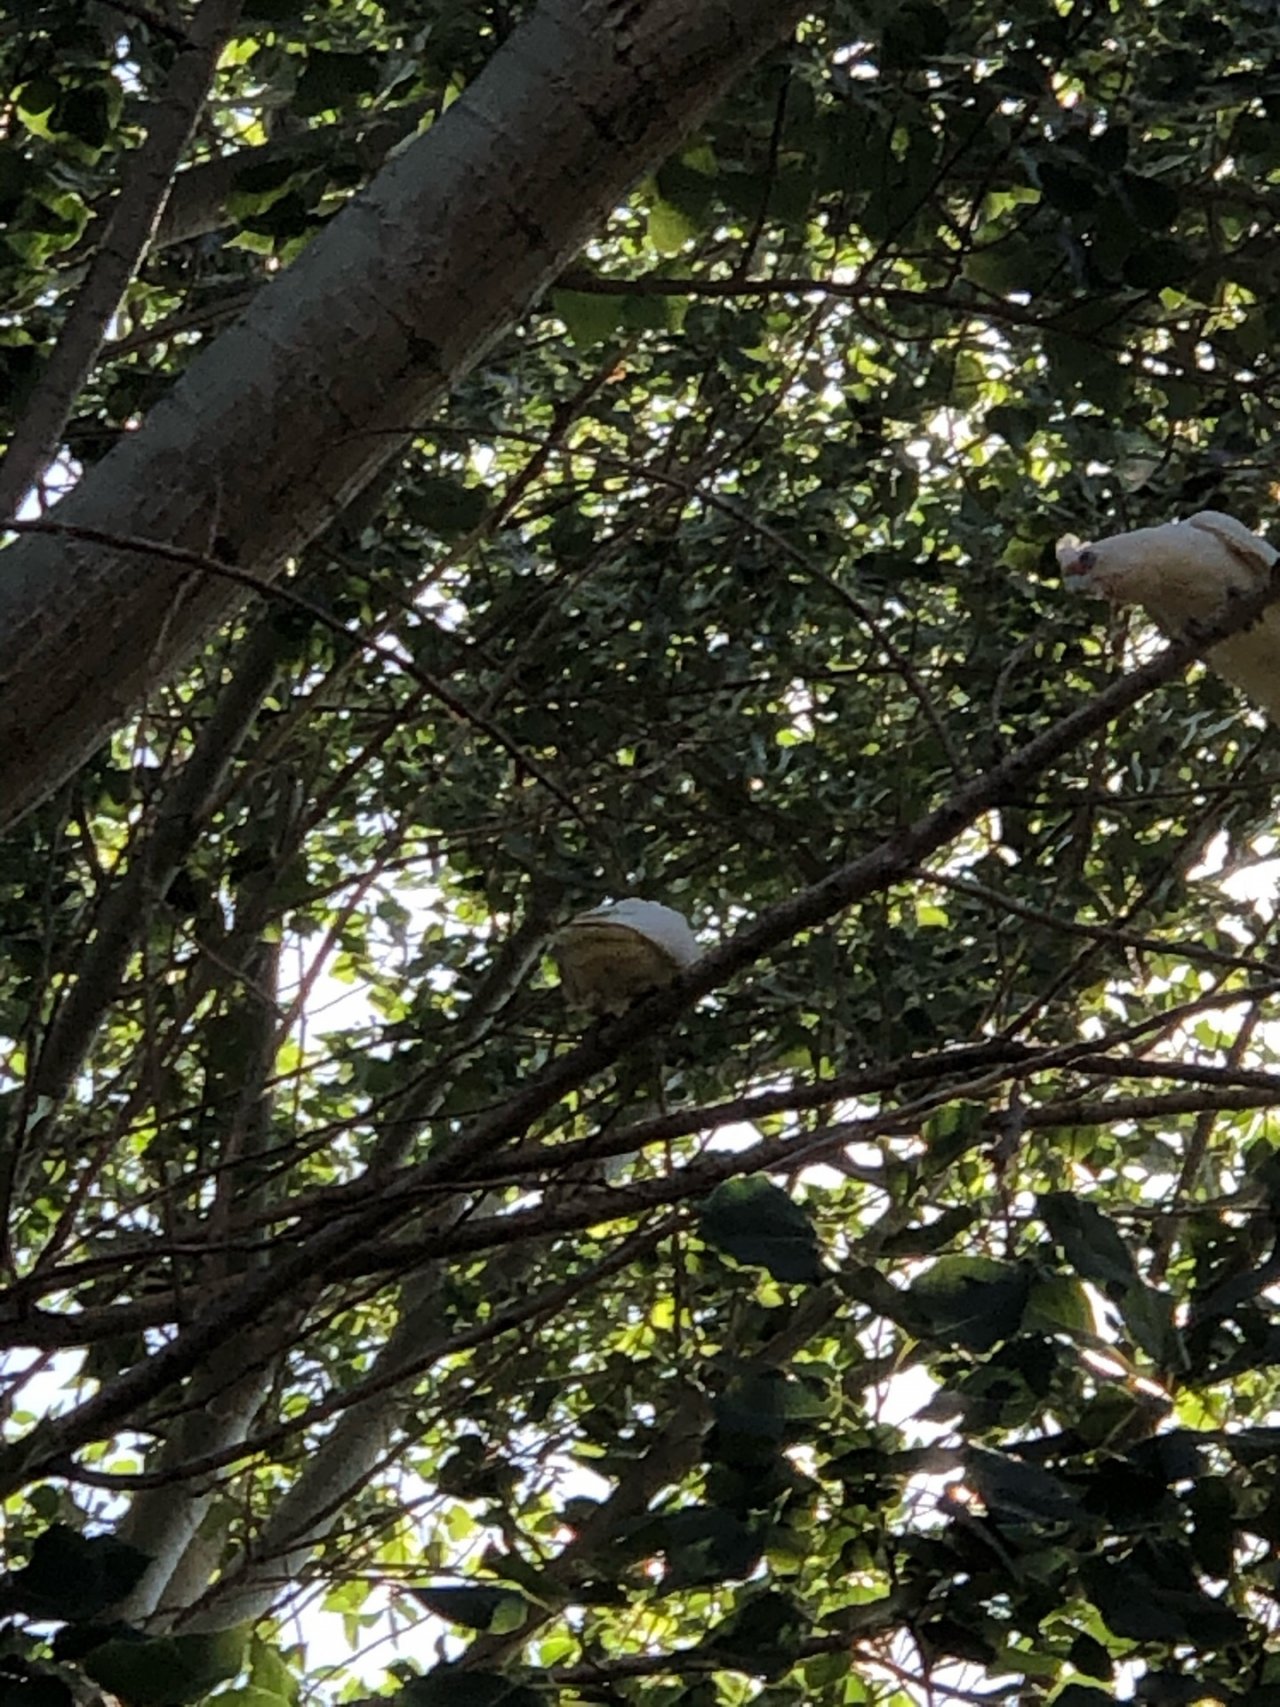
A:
[921,1337]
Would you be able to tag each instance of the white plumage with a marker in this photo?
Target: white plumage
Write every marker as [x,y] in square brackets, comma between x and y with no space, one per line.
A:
[614,953]
[1186,573]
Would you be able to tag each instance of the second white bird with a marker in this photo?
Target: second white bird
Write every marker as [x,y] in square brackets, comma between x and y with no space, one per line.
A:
[613,954]
[1185,573]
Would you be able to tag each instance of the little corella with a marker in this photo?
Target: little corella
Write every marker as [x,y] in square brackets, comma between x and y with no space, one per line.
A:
[1186,574]
[612,954]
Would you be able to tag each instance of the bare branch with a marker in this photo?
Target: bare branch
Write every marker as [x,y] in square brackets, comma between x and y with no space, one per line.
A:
[130,223]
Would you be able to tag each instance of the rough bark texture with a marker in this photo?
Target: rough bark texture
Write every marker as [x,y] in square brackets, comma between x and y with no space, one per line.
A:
[287,415]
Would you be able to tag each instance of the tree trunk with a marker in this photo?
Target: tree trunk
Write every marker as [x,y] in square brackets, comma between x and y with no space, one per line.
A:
[288,414]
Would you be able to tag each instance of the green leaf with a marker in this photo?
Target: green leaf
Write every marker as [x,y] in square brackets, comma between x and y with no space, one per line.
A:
[1098,372]
[1149,1317]
[923,1239]
[37,96]
[590,318]
[334,80]
[448,1687]
[1091,1243]
[1068,183]
[751,1418]
[703,1545]
[446,507]
[1110,150]
[86,114]
[167,1671]
[1133,1605]
[1082,1695]
[958,1639]
[74,1577]
[687,188]
[1012,1488]
[280,218]
[1014,423]
[1214,1525]
[1158,264]
[496,1610]
[1058,1303]
[1154,202]
[1090,1656]
[972,1301]
[269,1671]
[756,1222]
[670,230]
[260,180]
[914,32]
[763,1633]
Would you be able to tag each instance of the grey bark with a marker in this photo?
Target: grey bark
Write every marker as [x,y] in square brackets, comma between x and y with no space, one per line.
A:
[289,413]
[302,1518]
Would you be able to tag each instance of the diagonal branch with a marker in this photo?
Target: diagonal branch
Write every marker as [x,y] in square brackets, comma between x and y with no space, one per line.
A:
[288,414]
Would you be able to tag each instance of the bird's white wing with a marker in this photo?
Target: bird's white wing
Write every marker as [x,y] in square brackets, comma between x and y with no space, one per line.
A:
[668,930]
[1247,549]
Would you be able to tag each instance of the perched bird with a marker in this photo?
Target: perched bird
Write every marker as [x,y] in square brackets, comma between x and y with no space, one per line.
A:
[613,954]
[1184,575]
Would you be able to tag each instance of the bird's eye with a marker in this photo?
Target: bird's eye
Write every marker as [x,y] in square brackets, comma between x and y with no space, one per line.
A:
[1086,559]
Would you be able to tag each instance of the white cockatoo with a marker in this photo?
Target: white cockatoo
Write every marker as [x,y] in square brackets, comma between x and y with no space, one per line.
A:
[614,953]
[1184,575]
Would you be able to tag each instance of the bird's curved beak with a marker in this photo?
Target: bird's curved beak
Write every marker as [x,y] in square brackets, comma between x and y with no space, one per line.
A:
[1077,569]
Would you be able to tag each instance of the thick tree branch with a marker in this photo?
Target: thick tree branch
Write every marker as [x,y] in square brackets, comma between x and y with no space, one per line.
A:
[291,412]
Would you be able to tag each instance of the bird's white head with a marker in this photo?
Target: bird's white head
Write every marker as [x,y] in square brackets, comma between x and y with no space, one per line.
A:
[1076,561]
[1180,571]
